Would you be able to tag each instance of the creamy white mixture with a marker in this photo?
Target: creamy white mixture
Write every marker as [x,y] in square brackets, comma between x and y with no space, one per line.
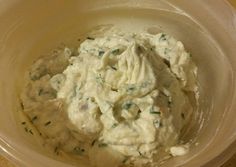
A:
[121,99]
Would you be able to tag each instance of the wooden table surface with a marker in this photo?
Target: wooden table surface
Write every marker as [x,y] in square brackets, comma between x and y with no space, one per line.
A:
[230,163]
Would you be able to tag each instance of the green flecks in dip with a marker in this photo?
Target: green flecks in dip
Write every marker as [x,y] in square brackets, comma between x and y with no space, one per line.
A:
[118,92]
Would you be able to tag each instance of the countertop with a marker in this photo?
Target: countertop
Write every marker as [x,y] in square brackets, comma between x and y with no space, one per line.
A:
[230,163]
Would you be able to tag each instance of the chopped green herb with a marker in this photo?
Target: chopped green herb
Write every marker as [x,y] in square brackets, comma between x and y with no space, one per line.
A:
[127,105]
[40,92]
[102,145]
[166,51]
[90,38]
[92,99]
[114,125]
[101,53]
[155,112]
[162,37]
[115,52]
[182,115]
[166,62]
[114,89]
[33,77]
[78,150]
[47,123]
[144,84]
[156,123]
[152,111]
[140,153]
[34,118]
[125,160]
[139,111]
[139,49]
[100,79]
[23,123]
[160,124]
[22,105]
[56,150]
[26,129]
[114,68]
[93,142]
[31,132]
[130,88]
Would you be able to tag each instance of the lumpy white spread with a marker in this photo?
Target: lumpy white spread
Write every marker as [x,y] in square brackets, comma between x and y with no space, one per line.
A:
[119,100]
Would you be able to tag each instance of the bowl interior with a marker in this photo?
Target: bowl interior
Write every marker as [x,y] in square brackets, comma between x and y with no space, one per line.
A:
[32,29]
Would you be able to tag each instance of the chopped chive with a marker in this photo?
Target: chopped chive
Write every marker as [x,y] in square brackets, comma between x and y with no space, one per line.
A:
[139,111]
[114,89]
[155,112]
[56,150]
[139,49]
[93,142]
[162,37]
[31,132]
[33,78]
[40,92]
[23,123]
[130,88]
[100,79]
[22,105]
[101,53]
[152,111]
[166,51]
[34,118]
[169,104]
[47,123]
[127,105]
[90,38]
[114,125]
[125,160]
[161,124]
[144,84]
[140,154]
[114,68]
[102,145]
[166,62]
[115,52]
